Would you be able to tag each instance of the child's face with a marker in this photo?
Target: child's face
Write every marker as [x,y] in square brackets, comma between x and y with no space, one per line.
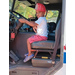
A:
[39,14]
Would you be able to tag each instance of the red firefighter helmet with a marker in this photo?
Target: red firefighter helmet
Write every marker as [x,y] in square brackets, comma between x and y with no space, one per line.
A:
[40,7]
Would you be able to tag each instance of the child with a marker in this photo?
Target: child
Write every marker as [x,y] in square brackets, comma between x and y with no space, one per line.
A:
[39,26]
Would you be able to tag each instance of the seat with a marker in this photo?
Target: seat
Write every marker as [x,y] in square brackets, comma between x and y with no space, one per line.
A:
[43,45]
[49,45]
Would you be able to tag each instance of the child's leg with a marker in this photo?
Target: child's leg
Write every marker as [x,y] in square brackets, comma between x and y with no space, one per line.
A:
[29,47]
[30,55]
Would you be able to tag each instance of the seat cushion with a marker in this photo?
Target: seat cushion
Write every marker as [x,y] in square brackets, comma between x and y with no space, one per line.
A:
[43,44]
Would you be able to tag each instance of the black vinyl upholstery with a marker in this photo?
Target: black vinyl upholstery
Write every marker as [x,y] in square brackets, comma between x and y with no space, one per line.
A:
[43,44]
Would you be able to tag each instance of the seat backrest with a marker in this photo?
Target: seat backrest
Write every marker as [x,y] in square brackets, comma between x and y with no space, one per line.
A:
[57,38]
[53,35]
[57,29]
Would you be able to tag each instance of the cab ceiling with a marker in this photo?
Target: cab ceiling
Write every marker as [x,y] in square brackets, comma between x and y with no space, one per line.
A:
[52,4]
[42,1]
[50,1]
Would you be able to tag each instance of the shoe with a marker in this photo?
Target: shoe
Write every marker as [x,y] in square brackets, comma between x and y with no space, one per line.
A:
[28,58]
[26,54]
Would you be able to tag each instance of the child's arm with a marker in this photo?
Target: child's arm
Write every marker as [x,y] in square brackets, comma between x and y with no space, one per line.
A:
[30,23]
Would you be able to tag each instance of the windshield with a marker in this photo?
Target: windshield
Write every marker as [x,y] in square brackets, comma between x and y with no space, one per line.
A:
[24,10]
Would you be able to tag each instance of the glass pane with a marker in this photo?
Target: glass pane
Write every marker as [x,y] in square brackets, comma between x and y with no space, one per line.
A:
[24,10]
[10,4]
[52,15]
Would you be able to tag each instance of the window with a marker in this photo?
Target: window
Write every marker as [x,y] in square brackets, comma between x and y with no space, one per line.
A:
[10,4]
[52,15]
[24,10]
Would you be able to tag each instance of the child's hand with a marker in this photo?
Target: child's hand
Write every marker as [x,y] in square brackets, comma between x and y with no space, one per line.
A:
[22,20]
[35,29]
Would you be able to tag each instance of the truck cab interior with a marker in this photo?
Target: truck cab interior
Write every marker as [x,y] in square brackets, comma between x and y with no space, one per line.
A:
[47,54]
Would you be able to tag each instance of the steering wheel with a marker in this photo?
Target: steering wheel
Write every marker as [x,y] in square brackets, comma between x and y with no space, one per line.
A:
[18,14]
[17,25]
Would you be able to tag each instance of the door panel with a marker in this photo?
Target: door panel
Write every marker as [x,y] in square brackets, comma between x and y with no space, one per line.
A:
[19,45]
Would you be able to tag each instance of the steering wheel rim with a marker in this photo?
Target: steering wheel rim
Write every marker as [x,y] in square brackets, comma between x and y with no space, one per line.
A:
[14,15]
[18,14]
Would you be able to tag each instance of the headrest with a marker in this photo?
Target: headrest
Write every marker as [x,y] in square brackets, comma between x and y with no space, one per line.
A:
[51,26]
